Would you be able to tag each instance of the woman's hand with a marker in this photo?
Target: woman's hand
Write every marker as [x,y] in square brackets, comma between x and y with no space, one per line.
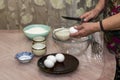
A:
[86,29]
[90,14]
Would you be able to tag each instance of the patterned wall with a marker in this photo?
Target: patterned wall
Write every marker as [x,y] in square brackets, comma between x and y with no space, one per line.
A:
[16,14]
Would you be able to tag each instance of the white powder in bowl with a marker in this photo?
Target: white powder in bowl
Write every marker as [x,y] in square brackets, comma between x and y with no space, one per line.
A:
[36,30]
[24,57]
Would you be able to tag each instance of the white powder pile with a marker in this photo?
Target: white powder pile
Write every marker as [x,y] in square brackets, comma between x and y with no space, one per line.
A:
[36,30]
[24,57]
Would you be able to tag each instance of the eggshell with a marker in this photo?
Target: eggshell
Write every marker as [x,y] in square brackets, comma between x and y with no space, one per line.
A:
[73,30]
[60,57]
[48,63]
[52,58]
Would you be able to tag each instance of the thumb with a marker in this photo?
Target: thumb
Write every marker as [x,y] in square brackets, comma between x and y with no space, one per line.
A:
[78,27]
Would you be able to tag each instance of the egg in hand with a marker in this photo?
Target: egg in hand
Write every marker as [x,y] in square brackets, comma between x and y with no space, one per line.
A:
[73,30]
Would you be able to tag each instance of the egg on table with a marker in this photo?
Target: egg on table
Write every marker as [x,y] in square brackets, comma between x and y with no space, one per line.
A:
[48,63]
[60,57]
[52,58]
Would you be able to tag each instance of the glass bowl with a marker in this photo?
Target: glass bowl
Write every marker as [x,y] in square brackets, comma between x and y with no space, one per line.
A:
[73,46]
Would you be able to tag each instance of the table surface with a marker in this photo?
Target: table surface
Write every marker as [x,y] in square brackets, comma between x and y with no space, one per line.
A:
[100,67]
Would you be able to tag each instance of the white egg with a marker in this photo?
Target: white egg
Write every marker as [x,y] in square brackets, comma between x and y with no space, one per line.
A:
[60,57]
[73,30]
[48,63]
[52,58]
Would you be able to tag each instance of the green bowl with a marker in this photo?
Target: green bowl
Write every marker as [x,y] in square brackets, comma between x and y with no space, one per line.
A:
[35,30]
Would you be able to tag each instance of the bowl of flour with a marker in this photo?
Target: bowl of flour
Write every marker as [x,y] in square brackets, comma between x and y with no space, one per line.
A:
[35,30]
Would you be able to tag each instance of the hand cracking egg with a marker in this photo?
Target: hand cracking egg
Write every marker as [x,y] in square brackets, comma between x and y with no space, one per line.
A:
[48,63]
[73,30]
[60,57]
[52,58]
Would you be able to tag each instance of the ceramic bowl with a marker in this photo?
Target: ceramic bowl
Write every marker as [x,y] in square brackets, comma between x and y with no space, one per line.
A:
[35,30]
[24,57]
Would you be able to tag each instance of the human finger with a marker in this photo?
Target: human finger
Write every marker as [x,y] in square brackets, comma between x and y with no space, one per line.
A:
[84,16]
[78,27]
[80,33]
[74,34]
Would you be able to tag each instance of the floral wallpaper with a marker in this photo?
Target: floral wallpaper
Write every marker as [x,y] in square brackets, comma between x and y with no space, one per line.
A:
[16,14]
